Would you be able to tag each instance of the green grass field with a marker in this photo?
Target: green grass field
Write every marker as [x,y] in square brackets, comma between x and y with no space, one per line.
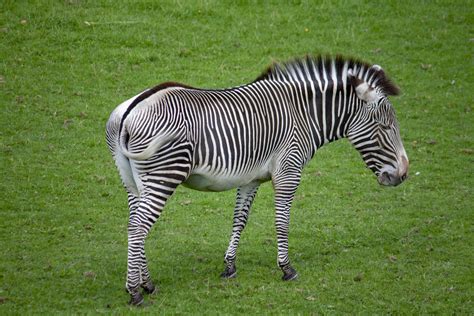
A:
[359,248]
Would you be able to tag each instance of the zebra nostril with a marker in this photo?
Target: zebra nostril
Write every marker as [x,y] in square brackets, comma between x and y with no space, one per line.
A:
[385,178]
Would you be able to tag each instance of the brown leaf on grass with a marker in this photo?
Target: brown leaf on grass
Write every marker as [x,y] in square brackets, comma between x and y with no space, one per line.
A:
[392,258]
[426,66]
[268,241]
[468,151]
[310,298]
[185,202]
[100,178]
[358,277]
[89,274]
[67,122]
[414,230]
[3,299]
[88,227]
[377,50]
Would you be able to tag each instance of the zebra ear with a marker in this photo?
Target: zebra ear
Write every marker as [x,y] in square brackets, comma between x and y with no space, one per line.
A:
[362,88]
[387,86]
[377,68]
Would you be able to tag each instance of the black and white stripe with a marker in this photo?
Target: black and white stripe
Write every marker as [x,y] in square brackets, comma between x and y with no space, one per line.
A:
[216,140]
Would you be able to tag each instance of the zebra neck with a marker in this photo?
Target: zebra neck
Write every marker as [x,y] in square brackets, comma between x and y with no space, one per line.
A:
[328,109]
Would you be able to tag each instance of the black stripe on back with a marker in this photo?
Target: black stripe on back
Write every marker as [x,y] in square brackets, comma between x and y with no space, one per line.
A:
[147,94]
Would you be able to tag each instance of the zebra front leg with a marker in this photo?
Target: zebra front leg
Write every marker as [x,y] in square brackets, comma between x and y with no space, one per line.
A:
[244,199]
[285,186]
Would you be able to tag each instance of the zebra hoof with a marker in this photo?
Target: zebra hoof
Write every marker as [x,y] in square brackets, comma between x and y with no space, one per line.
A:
[149,288]
[229,272]
[289,273]
[136,299]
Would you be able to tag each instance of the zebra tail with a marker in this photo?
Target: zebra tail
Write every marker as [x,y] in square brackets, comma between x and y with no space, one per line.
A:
[152,148]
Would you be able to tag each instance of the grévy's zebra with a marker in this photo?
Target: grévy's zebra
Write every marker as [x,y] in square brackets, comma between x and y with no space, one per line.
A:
[216,140]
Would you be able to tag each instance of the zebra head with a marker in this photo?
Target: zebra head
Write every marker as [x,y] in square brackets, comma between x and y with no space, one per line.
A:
[375,132]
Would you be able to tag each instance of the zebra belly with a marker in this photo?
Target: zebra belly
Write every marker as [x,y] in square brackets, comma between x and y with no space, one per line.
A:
[222,182]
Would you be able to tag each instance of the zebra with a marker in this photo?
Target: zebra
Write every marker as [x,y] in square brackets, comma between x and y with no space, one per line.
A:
[241,137]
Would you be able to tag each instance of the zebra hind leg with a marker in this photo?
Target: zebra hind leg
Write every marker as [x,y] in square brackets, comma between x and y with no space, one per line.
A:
[151,202]
[146,284]
[244,199]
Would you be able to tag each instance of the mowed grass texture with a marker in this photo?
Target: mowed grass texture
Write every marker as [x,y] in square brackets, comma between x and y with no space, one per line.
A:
[359,248]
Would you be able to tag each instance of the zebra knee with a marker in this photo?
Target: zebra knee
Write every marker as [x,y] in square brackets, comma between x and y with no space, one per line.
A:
[229,258]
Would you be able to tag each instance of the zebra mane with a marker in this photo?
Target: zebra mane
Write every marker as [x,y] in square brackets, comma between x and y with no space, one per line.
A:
[306,68]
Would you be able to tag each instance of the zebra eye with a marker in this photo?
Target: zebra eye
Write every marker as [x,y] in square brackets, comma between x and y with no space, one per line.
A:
[385,127]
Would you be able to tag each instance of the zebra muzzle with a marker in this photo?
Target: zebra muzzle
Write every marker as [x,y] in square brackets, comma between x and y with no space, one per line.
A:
[389,179]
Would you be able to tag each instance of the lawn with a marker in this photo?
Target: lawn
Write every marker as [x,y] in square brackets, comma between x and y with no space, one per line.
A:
[359,248]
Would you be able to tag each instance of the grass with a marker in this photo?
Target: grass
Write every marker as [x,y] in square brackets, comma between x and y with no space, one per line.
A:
[359,248]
